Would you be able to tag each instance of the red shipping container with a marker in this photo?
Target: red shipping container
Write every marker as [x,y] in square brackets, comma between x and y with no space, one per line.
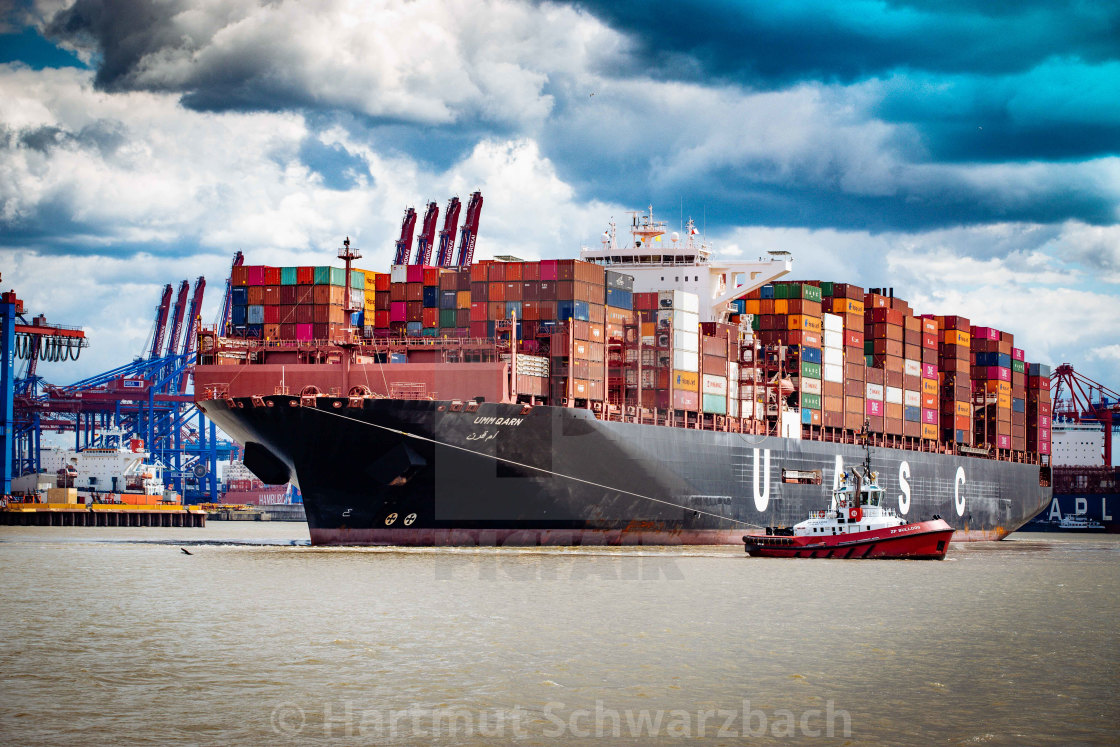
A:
[530,271]
[479,310]
[430,276]
[984,333]
[550,269]
[497,292]
[239,276]
[496,273]
[512,272]
[255,274]
[480,271]
[479,329]
[381,319]
[305,332]
[272,276]
[496,310]
[398,311]
[529,310]
[272,314]
[886,316]
[430,317]
[995,373]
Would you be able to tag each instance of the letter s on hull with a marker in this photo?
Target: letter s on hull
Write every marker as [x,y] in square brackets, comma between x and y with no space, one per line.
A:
[904,486]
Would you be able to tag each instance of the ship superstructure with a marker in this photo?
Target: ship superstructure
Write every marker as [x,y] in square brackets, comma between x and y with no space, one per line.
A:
[659,260]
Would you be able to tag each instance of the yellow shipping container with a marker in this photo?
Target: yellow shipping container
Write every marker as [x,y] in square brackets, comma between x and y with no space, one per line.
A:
[846,306]
[929,386]
[929,431]
[463,300]
[964,410]
[781,306]
[371,281]
[686,380]
[955,337]
[1003,401]
[752,306]
[803,322]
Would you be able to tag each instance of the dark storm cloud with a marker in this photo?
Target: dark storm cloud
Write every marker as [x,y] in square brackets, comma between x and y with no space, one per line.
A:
[771,43]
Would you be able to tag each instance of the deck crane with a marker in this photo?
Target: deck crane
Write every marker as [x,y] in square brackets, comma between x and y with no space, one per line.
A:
[404,243]
[427,235]
[161,323]
[190,338]
[447,235]
[1085,400]
[469,231]
[177,318]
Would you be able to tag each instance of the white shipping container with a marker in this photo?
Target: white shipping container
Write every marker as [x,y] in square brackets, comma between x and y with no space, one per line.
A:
[912,368]
[832,357]
[810,386]
[683,340]
[833,373]
[832,323]
[910,398]
[746,392]
[894,395]
[676,299]
[733,371]
[833,338]
[733,408]
[874,391]
[686,360]
[398,274]
[714,385]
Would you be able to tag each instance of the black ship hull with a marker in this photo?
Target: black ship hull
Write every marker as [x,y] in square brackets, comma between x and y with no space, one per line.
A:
[404,472]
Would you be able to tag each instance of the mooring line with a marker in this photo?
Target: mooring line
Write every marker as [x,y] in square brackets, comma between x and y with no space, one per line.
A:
[418,437]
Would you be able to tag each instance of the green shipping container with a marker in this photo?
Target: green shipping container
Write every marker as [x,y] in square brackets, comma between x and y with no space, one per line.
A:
[756,322]
[811,371]
[812,401]
[446,318]
[1018,366]
[869,348]
[330,276]
[357,278]
[826,288]
[288,276]
[716,403]
[781,290]
[810,292]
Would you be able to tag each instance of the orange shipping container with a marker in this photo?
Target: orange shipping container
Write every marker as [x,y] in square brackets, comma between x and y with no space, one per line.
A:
[802,322]
[955,337]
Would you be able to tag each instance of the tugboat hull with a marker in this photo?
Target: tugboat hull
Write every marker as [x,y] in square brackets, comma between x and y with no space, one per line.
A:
[926,540]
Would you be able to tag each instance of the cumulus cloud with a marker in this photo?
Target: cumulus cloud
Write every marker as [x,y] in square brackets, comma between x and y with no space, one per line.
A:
[429,62]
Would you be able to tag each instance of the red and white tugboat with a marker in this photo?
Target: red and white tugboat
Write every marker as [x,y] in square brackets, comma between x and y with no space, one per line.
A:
[856,525]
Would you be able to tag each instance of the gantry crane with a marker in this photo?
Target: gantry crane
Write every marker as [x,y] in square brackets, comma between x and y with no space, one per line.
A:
[427,235]
[469,231]
[404,243]
[447,235]
[1079,399]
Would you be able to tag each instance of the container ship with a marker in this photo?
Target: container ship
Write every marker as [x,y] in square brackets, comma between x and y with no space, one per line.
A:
[1086,491]
[646,393]
[241,487]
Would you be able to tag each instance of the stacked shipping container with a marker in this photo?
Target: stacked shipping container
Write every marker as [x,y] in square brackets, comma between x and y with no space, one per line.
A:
[296,303]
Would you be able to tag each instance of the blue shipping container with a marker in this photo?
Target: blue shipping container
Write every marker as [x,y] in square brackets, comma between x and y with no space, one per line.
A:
[810,355]
[578,310]
[398,358]
[767,291]
[1018,405]
[1038,369]
[357,319]
[431,297]
[255,314]
[240,295]
[912,414]
[447,299]
[513,307]
[620,299]
[239,314]
[254,330]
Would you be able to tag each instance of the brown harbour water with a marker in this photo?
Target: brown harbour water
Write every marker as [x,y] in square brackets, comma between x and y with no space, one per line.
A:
[114,636]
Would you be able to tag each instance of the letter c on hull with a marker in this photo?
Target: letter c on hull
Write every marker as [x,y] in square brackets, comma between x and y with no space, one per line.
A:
[762,497]
[958,499]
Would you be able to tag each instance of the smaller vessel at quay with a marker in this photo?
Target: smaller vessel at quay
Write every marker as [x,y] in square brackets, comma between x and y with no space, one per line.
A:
[855,525]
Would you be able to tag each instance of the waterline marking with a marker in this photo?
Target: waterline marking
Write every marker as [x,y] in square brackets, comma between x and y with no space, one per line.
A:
[557,720]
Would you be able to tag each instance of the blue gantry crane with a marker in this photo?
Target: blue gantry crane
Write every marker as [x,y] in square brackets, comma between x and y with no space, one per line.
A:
[148,397]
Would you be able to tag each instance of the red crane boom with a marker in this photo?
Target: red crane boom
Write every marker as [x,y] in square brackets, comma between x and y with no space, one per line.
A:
[447,235]
[1087,400]
[190,340]
[427,235]
[161,322]
[404,243]
[177,318]
[469,231]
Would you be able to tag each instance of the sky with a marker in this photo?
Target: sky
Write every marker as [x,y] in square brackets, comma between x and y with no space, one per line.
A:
[966,154]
